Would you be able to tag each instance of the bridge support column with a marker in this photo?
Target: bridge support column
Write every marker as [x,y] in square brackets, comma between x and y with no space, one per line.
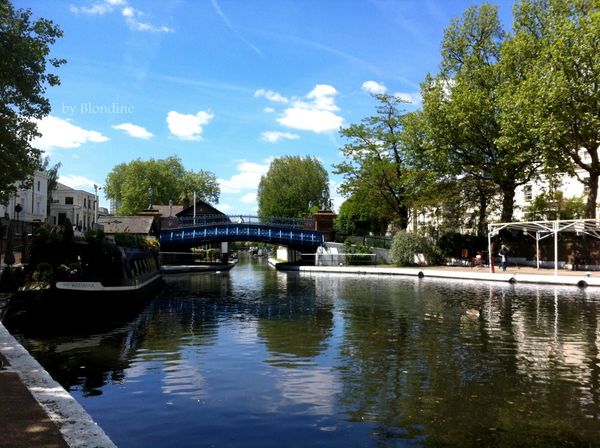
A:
[225,252]
[283,253]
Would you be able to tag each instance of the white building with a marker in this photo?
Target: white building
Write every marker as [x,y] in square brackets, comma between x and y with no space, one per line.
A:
[77,205]
[33,201]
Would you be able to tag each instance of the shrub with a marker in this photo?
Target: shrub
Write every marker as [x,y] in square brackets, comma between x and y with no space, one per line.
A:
[405,246]
[359,253]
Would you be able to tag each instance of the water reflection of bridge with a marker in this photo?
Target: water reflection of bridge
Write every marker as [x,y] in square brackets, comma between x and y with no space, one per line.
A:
[191,231]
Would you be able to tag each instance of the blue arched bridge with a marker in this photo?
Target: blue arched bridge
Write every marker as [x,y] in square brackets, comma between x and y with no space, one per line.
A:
[189,231]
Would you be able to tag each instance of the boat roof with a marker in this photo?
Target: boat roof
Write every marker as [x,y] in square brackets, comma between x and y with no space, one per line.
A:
[126,224]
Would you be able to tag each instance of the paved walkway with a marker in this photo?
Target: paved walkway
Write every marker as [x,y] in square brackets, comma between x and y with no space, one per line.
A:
[513,274]
[35,411]
[24,421]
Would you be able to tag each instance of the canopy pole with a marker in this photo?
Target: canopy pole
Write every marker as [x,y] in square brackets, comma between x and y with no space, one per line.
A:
[490,248]
[537,249]
[555,227]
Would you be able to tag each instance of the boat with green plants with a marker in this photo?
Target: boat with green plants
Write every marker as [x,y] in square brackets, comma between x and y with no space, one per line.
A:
[73,268]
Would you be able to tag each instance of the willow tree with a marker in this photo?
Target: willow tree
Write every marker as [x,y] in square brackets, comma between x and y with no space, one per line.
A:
[462,109]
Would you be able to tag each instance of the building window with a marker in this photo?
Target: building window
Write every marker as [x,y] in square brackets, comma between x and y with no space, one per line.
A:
[528,193]
[61,218]
[39,185]
[68,200]
[84,203]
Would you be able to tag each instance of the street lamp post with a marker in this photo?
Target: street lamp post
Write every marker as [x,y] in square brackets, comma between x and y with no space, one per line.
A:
[18,209]
[96,188]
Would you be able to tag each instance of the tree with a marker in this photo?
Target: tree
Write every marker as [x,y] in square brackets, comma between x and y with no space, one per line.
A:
[52,173]
[462,110]
[24,56]
[553,205]
[451,201]
[358,215]
[292,186]
[137,184]
[376,163]
[556,47]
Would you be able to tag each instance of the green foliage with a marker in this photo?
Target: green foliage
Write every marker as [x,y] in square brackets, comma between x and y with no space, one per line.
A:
[357,216]
[213,254]
[292,186]
[554,100]
[376,164]
[24,56]
[407,246]
[136,184]
[357,253]
[52,173]
[553,205]
[67,233]
[136,241]
[461,109]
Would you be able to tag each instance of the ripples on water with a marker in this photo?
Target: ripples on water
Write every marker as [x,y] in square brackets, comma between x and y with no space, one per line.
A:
[261,358]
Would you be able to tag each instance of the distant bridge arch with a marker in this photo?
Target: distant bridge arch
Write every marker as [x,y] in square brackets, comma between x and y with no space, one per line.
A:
[291,232]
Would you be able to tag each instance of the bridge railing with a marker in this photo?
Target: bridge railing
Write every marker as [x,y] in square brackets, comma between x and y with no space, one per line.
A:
[211,220]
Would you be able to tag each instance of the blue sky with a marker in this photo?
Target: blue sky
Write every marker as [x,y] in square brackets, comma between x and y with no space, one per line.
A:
[228,85]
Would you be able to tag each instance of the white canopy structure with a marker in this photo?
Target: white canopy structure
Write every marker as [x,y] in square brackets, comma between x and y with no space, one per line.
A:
[540,230]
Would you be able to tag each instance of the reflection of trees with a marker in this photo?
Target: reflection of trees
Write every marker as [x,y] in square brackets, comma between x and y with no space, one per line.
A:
[294,321]
[415,367]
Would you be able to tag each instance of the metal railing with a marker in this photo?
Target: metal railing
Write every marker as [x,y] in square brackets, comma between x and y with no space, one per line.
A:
[384,242]
[211,220]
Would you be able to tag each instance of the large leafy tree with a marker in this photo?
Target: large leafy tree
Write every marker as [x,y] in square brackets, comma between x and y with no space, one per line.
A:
[24,57]
[463,113]
[135,184]
[447,200]
[359,215]
[556,103]
[376,164]
[292,187]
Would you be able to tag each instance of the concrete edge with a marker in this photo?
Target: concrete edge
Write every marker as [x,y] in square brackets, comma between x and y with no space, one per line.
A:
[75,424]
[579,281]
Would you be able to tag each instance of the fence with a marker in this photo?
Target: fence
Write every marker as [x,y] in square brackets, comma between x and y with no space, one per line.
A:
[384,242]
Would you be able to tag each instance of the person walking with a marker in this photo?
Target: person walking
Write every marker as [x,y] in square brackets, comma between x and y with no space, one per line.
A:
[504,257]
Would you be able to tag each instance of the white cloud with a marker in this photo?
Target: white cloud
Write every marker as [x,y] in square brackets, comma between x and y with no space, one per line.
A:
[275,136]
[128,11]
[268,110]
[225,207]
[247,177]
[77,182]
[249,198]
[373,87]
[58,133]
[134,130]
[188,126]
[318,114]
[271,96]
[130,14]
[410,98]
[98,9]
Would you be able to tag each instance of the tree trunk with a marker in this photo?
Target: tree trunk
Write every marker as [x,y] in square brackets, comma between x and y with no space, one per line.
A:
[482,220]
[508,202]
[590,212]
[403,217]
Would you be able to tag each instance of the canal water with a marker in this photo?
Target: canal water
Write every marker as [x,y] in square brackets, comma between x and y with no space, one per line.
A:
[259,358]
